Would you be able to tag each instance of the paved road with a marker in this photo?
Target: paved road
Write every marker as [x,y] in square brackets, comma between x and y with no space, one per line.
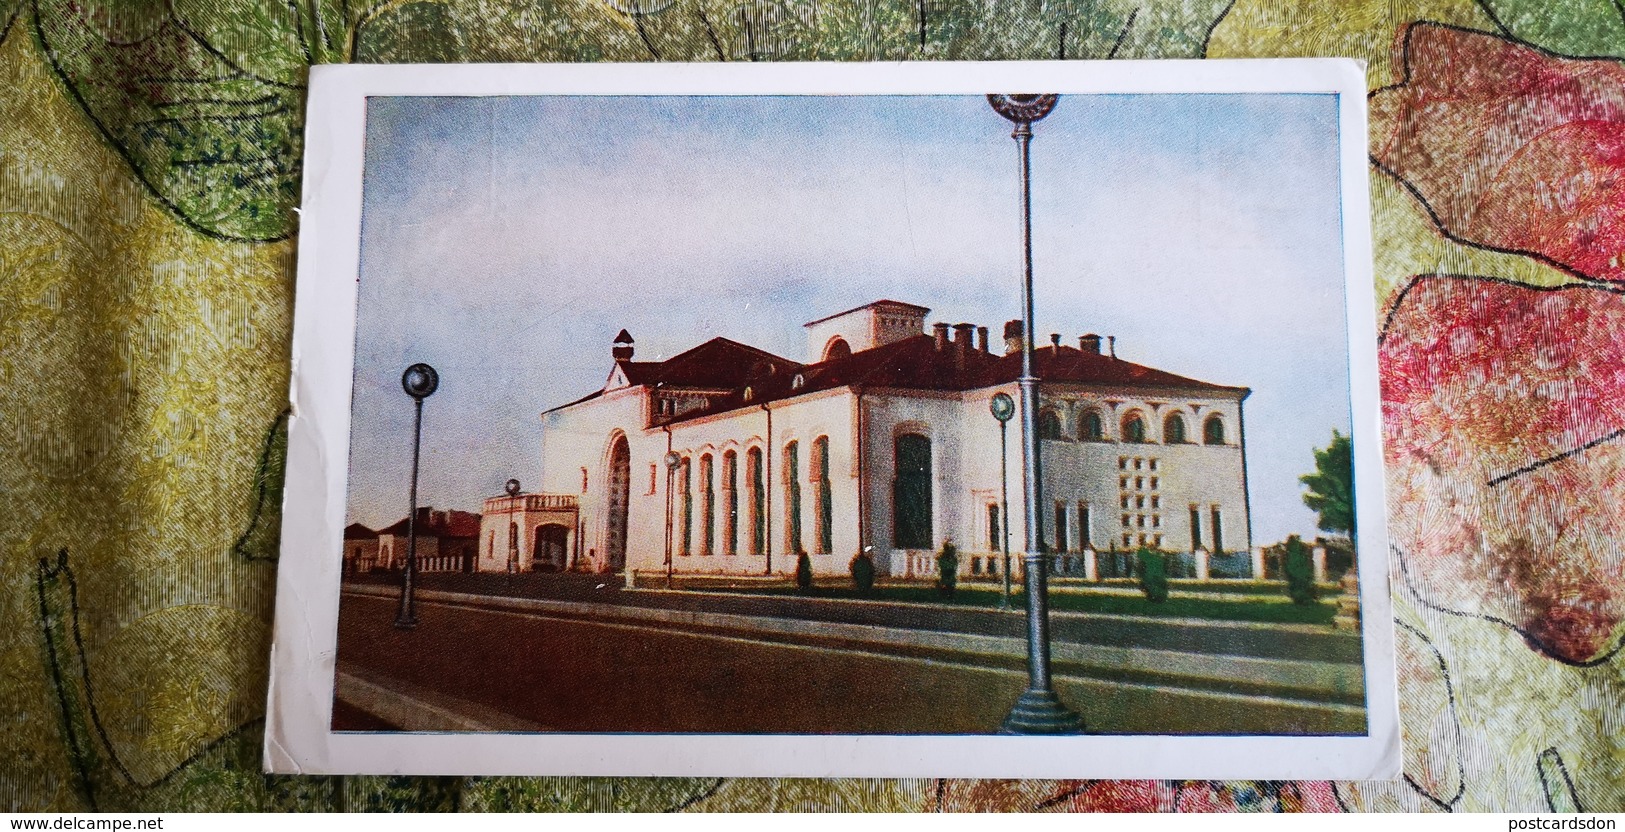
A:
[574,675]
[1264,641]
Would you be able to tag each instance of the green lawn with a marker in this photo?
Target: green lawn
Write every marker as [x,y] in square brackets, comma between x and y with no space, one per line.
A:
[1271,609]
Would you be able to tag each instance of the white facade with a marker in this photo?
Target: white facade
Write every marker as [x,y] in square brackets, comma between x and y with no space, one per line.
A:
[1108,492]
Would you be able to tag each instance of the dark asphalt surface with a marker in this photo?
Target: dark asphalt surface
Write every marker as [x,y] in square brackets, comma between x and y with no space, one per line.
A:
[584,676]
[1262,642]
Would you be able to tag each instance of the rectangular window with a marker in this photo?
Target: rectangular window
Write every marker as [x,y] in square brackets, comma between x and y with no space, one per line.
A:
[792,498]
[993,539]
[1218,532]
[1086,539]
[1061,542]
[686,474]
[730,499]
[826,496]
[1196,528]
[758,501]
[708,507]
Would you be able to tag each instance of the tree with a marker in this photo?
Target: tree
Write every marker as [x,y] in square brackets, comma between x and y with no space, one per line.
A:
[948,568]
[1153,575]
[1299,567]
[863,573]
[1331,486]
[804,575]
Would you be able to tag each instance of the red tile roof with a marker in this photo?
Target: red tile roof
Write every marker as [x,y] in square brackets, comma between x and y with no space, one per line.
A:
[430,524]
[356,531]
[726,369]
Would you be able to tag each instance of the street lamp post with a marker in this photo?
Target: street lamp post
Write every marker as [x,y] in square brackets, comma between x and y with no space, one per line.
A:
[1039,710]
[419,381]
[672,461]
[1003,407]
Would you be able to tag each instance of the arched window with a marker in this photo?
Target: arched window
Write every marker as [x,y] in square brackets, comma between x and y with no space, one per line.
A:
[1134,427]
[730,500]
[1173,429]
[685,485]
[825,496]
[708,507]
[792,498]
[1092,428]
[911,493]
[1213,430]
[1049,424]
[837,348]
[758,501]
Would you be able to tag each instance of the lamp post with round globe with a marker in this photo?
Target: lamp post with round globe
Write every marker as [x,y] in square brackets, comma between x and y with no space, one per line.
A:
[1039,710]
[419,381]
[1003,407]
[673,459]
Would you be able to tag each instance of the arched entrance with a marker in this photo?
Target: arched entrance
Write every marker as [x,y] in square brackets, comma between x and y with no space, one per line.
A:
[549,554]
[620,492]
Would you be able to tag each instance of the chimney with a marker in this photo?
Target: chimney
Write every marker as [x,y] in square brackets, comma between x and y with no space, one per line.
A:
[1111,342]
[1012,336]
[1089,343]
[622,351]
[940,330]
[1055,340]
[981,338]
[963,333]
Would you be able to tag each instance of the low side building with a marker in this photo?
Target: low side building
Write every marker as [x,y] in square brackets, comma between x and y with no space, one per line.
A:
[447,541]
[360,549]
[529,533]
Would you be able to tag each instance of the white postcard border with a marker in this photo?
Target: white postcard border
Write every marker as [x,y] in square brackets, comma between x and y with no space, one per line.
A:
[300,701]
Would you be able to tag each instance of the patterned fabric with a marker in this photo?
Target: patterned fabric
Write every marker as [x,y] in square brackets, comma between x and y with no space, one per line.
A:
[149,167]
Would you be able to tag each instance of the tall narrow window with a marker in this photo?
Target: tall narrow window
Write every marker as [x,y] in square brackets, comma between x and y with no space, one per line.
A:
[1061,542]
[685,476]
[653,476]
[730,502]
[792,498]
[1049,425]
[826,496]
[1196,528]
[1134,427]
[1218,532]
[758,501]
[1213,430]
[1173,429]
[911,492]
[708,507]
[1093,428]
[1086,540]
[993,528]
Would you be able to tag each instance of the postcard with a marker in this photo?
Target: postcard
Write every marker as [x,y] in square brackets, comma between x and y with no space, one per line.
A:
[983,420]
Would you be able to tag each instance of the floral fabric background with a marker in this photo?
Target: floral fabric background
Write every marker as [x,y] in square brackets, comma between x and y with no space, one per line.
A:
[149,169]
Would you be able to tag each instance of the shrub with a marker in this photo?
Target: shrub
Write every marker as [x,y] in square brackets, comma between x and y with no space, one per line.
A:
[1153,575]
[947,568]
[863,573]
[1300,572]
[804,580]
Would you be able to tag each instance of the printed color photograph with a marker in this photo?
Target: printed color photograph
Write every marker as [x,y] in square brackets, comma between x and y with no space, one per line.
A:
[712,414]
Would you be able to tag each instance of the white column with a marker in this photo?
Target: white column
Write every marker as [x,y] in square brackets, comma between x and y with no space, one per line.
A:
[1320,564]
[1201,565]
[1091,569]
[1258,563]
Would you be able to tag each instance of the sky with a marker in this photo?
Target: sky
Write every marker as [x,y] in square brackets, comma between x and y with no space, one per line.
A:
[506,240]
